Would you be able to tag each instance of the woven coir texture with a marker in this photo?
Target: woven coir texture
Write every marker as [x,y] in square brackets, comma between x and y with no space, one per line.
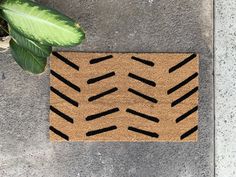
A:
[123,97]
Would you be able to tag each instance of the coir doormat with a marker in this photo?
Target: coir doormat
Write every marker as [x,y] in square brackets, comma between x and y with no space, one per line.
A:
[124,96]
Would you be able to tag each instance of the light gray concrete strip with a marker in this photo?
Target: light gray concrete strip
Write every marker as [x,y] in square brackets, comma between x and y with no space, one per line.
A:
[225,71]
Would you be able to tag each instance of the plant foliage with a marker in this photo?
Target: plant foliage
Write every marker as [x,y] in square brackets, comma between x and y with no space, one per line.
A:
[35,29]
[27,60]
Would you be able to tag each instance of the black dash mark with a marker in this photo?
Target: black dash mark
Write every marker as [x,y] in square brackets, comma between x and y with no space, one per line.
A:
[151,134]
[185,115]
[182,83]
[103,130]
[142,95]
[146,62]
[102,94]
[182,63]
[97,60]
[57,92]
[97,79]
[151,118]
[141,79]
[188,133]
[179,100]
[95,116]
[61,114]
[59,133]
[62,79]
[65,60]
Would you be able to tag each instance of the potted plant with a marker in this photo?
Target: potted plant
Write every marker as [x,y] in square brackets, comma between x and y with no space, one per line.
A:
[33,30]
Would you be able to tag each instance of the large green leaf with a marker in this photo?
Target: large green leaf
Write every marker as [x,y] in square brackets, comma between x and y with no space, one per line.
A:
[41,24]
[26,59]
[34,47]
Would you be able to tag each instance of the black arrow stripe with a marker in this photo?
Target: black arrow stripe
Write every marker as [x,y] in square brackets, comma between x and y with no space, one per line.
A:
[101,114]
[185,115]
[179,100]
[65,60]
[181,84]
[182,63]
[61,114]
[148,117]
[135,92]
[143,80]
[65,81]
[92,98]
[146,62]
[188,133]
[99,78]
[137,130]
[59,133]
[99,131]
[63,96]
[98,60]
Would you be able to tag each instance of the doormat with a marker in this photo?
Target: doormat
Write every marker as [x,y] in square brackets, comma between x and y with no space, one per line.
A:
[124,97]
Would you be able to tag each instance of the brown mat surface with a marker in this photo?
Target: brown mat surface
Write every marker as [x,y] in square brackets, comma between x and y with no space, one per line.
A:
[124,96]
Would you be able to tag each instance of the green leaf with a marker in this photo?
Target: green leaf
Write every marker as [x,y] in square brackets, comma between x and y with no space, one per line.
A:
[34,47]
[26,59]
[41,24]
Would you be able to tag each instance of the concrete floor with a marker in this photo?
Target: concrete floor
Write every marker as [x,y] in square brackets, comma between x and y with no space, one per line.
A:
[119,26]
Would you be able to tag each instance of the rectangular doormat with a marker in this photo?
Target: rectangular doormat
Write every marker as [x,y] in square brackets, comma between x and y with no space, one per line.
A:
[124,97]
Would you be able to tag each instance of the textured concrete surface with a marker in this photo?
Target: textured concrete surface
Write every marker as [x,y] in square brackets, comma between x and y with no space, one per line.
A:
[225,69]
[124,25]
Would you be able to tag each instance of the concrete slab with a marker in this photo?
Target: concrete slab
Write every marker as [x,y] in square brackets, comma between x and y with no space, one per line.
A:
[118,26]
[225,55]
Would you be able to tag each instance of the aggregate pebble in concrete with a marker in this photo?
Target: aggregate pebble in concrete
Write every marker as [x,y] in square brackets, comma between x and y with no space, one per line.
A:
[111,25]
[225,69]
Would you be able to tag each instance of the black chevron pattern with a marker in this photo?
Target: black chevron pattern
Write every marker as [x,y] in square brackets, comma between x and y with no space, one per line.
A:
[141,91]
